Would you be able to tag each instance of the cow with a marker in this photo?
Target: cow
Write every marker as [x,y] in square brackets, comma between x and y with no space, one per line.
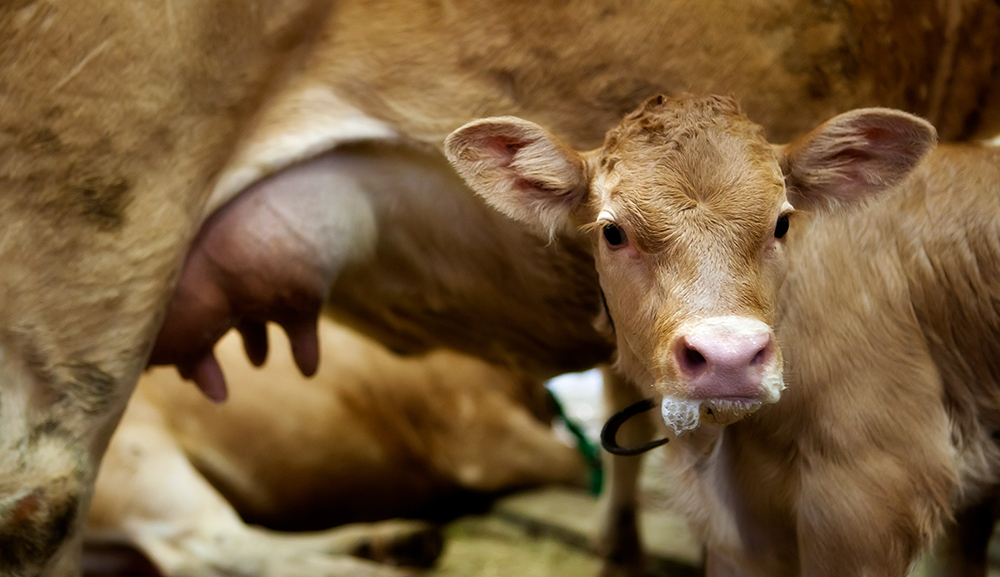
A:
[819,322]
[372,436]
[126,127]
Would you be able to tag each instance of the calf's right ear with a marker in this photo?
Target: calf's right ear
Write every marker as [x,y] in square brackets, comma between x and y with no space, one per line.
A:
[855,155]
[520,169]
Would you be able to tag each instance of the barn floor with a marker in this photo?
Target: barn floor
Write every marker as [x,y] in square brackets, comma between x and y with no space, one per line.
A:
[490,546]
[546,533]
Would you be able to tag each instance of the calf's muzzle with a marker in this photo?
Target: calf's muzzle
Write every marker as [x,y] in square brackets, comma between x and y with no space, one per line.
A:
[726,358]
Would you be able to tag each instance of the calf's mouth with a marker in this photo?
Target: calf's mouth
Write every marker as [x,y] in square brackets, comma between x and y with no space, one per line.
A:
[684,415]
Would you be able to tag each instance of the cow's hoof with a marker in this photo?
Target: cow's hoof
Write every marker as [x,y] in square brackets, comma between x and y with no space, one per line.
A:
[620,546]
[405,543]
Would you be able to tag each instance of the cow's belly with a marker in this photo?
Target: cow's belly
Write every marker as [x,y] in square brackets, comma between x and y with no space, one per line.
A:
[394,244]
[449,271]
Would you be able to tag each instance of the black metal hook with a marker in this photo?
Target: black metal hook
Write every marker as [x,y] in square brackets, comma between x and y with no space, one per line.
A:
[610,430]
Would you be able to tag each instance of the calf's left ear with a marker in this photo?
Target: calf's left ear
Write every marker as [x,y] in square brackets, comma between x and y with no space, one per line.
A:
[520,169]
[855,155]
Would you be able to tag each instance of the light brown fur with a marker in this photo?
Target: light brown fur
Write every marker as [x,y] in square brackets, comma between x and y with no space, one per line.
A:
[887,319]
[885,431]
[448,271]
[117,121]
[666,175]
[114,122]
[372,436]
[548,62]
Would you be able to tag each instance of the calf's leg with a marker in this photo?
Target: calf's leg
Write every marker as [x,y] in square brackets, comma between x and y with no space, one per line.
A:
[619,541]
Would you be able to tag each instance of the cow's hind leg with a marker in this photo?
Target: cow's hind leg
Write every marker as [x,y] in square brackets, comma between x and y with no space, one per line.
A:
[149,495]
[619,541]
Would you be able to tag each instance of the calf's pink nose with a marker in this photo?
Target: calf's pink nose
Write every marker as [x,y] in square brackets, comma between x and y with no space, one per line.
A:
[725,359]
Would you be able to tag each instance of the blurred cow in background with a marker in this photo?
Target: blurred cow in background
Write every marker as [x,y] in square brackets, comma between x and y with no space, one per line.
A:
[125,126]
[372,436]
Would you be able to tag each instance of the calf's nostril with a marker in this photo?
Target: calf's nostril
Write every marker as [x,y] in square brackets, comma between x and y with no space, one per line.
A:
[691,360]
[759,358]
[694,358]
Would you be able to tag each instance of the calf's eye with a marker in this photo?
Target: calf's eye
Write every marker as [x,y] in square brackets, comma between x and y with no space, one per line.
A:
[614,235]
[782,227]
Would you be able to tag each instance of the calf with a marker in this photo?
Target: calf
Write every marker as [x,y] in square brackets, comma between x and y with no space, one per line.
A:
[733,269]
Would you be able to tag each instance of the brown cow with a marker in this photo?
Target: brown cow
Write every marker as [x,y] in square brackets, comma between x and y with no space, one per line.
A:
[490,59]
[372,436]
[123,126]
[888,321]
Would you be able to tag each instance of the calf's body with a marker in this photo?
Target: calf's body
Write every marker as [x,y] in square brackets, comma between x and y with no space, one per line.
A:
[889,328]
[820,321]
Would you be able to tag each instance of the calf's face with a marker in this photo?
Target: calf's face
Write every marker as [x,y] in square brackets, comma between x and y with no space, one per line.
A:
[689,210]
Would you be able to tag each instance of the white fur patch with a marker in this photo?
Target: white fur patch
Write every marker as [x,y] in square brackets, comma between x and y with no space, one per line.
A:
[602,185]
[683,415]
[774,383]
[303,123]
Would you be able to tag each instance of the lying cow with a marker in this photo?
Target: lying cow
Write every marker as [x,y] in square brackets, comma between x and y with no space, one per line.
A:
[372,436]
[840,267]
[123,126]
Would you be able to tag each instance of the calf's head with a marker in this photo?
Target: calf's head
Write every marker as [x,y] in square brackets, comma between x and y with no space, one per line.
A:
[690,209]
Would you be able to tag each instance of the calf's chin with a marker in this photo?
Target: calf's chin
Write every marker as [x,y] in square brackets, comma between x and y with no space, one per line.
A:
[683,415]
